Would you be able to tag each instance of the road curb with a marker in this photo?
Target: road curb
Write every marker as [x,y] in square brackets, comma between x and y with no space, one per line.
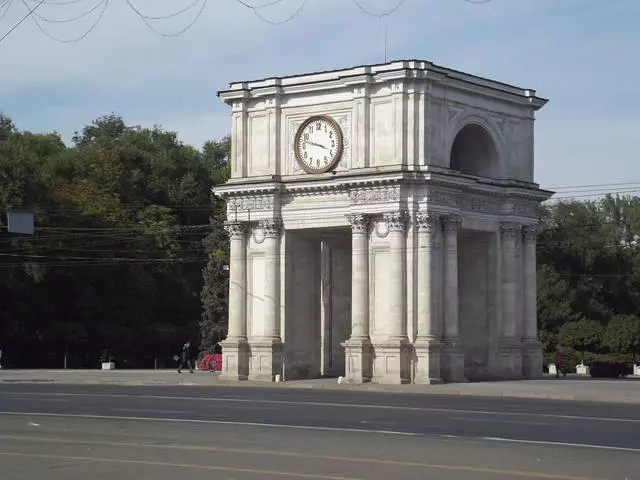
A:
[433,391]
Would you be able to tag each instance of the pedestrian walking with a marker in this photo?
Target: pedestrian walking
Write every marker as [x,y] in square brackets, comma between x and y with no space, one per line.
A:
[185,358]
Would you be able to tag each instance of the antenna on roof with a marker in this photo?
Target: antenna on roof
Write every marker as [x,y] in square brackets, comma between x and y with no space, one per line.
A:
[385,42]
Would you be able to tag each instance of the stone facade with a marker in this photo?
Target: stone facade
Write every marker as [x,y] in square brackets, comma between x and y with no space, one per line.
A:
[413,259]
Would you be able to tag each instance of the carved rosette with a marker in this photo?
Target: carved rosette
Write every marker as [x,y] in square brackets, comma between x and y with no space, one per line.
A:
[359,223]
[427,222]
[451,223]
[509,230]
[396,221]
[530,233]
[271,228]
[236,230]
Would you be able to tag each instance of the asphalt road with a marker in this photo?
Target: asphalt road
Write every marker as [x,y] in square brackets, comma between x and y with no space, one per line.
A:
[78,432]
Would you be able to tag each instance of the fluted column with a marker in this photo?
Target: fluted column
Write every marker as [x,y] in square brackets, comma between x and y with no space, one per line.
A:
[235,362]
[510,340]
[396,325]
[427,344]
[450,226]
[428,325]
[266,349]
[272,230]
[532,349]
[237,281]
[453,356]
[391,345]
[358,350]
[359,276]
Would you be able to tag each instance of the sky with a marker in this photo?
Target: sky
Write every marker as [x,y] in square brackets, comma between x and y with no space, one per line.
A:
[583,55]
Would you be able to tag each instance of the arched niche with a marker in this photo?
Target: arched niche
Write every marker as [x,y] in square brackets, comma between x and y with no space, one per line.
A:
[474,152]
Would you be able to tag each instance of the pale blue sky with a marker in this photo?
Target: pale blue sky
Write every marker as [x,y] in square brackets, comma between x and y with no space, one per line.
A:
[581,54]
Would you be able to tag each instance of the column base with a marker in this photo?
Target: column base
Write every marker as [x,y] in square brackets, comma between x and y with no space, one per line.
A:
[358,360]
[532,359]
[235,359]
[452,367]
[510,355]
[266,359]
[428,362]
[392,362]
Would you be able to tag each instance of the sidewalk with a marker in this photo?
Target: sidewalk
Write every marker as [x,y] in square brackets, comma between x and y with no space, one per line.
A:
[569,388]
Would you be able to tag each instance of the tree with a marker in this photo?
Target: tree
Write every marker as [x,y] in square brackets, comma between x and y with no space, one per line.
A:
[623,335]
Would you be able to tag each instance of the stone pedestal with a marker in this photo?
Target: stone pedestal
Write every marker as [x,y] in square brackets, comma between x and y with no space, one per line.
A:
[358,360]
[392,362]
[532,359]
[428,364]
[266,359]
[452,361]
[235,359]
[510,354]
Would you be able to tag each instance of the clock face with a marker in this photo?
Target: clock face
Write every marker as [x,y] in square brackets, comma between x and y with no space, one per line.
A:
[318,144]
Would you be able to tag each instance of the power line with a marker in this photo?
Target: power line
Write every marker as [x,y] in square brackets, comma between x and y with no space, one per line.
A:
[22,19]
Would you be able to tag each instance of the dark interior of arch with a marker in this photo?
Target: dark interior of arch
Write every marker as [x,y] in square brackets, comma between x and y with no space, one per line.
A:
[474,153]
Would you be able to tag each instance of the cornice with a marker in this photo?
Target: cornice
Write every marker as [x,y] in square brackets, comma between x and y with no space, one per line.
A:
[400,180]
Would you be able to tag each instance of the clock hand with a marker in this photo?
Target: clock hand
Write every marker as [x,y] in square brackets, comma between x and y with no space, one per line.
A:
[317,145]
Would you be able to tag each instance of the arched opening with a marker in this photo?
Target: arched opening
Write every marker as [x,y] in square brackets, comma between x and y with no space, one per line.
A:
[473,152]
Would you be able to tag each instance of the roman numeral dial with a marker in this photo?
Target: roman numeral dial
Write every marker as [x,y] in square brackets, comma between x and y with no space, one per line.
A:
[318,144]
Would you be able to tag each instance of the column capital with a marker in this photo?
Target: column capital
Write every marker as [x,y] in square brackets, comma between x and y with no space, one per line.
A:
[359,222]
[271,227]
[427,222]
[530,232]
[236,230]
[451,223]
[509,229]
[396,221]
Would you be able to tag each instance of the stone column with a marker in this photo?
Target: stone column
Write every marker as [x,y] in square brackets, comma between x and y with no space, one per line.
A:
[235,351]
[531,348]
[266,350]
[510,341]
[453,355]
[358,350]
[394,351]
[428,344]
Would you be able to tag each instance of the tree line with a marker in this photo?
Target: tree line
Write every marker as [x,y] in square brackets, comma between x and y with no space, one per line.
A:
[127,260]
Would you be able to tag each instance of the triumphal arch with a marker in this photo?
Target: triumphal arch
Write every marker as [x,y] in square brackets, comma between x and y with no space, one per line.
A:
[382,223]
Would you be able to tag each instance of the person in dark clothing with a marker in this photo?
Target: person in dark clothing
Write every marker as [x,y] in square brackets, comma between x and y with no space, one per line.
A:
[185,358]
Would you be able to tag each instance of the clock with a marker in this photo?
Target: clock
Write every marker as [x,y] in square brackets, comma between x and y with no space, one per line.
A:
[318,144]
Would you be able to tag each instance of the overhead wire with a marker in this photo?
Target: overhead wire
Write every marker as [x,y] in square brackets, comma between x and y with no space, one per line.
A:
[29,13]
[104,3]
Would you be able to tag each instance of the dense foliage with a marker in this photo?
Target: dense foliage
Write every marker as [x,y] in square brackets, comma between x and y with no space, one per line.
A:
[128,257]
[125,225]
[589,279]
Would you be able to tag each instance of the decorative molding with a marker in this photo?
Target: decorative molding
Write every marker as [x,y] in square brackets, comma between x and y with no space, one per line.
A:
[369,195]
[453,112]
[451,224]
[427,222]
[530,233]
[271,227]
[396,221]
[510,230]
[526,209]
[253,203]
[359,223]
[236,230]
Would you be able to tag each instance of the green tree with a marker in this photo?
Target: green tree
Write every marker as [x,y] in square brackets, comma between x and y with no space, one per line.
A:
[623,336]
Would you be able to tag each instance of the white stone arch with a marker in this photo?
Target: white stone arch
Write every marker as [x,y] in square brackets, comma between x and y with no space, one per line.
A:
[481,136]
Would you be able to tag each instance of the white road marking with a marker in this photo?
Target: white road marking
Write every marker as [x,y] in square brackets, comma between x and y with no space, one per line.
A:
[337,405]
[562,444]
[492,420]
[206,422]
[148,410]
